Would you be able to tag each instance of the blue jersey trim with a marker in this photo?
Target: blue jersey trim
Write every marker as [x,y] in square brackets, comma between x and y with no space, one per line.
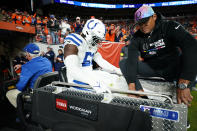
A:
[69,38]
[81,83]
[76,37]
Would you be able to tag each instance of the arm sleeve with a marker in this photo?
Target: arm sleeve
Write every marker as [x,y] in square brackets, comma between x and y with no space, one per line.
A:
[105,64]
[86,76]
[24,78]
[188,46]
[73,68]
[131,62]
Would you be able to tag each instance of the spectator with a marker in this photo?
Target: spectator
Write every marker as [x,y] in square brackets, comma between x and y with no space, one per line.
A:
[107,38]
[13,16]
[38,20]
[33,19]
[92,17]
[157,40]
[65,28]
[19,18]
[53,28]
[78,26]
[40,34]
[112,33]
[59,60]
[119,34]
[36,66]
[44,22]
[4,16]
[26,19]
[50,55]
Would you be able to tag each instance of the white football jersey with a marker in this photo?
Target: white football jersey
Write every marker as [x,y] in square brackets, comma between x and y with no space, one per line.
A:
[96,78]
[85,52]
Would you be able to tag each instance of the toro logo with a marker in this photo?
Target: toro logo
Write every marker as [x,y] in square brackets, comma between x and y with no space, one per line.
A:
[61,104]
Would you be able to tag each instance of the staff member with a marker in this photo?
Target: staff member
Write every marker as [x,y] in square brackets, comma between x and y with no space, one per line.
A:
[59,60]
[50,55]
[36,66]
[168,50]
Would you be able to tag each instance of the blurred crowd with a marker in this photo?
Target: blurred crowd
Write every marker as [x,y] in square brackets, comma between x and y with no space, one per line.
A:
[189,23]
[52,30]
[56,30]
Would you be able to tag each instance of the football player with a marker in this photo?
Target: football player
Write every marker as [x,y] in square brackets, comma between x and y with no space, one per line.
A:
[81,50]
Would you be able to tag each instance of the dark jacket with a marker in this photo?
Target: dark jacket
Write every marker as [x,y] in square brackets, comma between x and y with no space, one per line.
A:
[59,63]
[50,55]
[78,28]
[52,27]
[160,51]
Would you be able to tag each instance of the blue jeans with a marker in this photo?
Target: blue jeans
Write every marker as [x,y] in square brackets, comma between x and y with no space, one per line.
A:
[54,37]
[43,38]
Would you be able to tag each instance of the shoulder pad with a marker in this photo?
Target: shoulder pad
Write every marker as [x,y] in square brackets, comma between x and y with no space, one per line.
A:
[73,39]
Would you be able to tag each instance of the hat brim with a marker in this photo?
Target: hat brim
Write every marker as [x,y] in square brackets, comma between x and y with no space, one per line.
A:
[142,21]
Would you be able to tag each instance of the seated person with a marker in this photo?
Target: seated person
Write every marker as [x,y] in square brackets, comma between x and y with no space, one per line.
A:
[30,71]
[81,50]
[157,40]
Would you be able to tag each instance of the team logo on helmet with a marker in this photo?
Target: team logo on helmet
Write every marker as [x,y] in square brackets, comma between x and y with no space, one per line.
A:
[92,21]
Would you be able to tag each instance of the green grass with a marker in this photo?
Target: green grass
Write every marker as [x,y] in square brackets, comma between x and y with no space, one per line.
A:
[192,113]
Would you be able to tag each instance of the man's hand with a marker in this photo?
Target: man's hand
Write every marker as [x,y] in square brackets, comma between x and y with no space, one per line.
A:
[16,67]
[42,53]
[183,81]
[58,59]
[184,96]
